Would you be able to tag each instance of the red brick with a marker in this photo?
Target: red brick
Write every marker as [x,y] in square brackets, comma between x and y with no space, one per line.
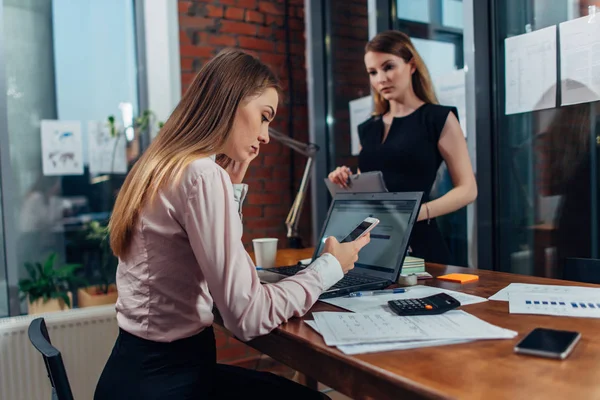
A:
[256,44]
[222,40]
[276,160]
[234,13]
[254,16]
[227,2]
[296,24]
[187,78]
[263,223]
[273,59]
[247,3]
[263,198]
[252,211]
[213,11]
[274,20]
[187,63]
[196,22]
[184,39]
[196,51]
[241,28]
[270,8]
[183,6]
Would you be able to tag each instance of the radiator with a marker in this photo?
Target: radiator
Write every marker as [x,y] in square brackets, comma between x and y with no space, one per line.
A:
[85,338]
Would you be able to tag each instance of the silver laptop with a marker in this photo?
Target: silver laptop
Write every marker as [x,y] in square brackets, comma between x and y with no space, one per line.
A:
[380,262]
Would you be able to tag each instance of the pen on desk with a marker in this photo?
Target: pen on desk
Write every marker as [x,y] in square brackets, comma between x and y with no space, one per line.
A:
[259,268]
[377,292]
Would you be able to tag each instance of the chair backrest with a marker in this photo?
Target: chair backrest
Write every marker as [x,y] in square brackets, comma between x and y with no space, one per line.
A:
[582,270]
[38,335]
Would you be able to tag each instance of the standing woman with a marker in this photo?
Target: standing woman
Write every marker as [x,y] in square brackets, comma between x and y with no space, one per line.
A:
[409,136]
[177,232]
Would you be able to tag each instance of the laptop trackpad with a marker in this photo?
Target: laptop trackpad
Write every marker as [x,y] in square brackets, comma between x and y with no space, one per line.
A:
[269,277]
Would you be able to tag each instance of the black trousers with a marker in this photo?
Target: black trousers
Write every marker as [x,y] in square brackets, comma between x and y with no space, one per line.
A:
[185,369]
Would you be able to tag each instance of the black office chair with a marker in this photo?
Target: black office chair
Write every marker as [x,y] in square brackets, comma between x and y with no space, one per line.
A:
[38,335]
[582,270]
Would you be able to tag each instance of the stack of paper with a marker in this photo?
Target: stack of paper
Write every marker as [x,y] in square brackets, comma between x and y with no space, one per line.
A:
[356,333]
[568,301]
[412,265]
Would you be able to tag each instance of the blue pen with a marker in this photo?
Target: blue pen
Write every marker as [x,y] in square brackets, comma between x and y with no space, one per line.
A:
[377,292]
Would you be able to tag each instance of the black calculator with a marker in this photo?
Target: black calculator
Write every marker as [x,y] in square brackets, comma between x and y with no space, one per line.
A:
[432,305]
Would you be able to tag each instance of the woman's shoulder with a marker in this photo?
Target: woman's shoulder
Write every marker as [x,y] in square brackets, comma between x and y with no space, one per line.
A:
[202,169]
[369,123]
[438,111]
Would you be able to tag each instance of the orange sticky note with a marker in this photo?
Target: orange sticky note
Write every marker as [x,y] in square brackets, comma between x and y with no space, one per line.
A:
[459,278]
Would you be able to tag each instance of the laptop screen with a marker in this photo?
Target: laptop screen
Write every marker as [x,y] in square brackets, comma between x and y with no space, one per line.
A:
[383,256]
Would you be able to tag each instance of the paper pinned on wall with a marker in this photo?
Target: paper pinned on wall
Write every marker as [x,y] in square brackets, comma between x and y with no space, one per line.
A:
[107,154]
[580,60]
[450,91]
[62,147]
[360,111]
[530,64]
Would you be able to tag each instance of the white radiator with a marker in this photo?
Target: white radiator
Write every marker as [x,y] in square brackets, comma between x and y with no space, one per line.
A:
[85,338]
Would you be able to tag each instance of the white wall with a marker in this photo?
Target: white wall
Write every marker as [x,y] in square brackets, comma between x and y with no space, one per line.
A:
[163,65]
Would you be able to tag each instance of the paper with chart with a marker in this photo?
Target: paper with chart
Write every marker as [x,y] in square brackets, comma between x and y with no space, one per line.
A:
[62,147]
[342,328]
[580,60]
[378,304]
[451,91]
[360,111]
[503,295]
[530,65]
[352,349]
[561,304]
[107,154]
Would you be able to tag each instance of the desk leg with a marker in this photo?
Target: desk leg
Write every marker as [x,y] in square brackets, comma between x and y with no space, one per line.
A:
[307,381]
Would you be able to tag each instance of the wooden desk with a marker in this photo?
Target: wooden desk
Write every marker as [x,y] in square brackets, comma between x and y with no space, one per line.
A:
[478,370]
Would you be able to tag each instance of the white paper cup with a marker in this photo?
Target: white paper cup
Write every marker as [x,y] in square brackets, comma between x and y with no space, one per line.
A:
[265,251]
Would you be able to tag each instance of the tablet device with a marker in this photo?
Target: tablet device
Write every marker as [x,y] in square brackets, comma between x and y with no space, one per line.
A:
[367,182]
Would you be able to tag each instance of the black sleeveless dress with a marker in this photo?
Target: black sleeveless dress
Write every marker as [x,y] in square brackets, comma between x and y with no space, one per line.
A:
[409,160]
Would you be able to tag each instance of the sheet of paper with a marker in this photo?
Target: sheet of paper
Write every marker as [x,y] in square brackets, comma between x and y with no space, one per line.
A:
[62,148]
[530,64]
[351,328]
[375,304]
[379,347]
[503,294]
[580,60]
[360,111]
[107,154]
[567,305]
[451,91]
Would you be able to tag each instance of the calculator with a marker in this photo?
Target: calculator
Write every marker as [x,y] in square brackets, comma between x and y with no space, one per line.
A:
[432,305]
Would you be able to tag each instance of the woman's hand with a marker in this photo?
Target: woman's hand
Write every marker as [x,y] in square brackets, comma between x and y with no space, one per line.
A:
[235,169]
[346,253]
[340,176]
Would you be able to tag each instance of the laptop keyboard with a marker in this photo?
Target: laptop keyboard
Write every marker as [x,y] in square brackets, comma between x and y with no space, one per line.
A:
[347,280]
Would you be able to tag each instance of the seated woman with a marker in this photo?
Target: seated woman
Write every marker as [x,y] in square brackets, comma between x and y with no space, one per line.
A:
[177,233]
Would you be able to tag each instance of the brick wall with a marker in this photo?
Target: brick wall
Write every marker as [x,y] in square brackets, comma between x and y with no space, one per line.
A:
[207,26]
[350,33]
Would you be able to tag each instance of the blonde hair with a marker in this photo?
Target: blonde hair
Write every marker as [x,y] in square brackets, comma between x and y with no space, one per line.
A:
[400,45]
[199,126]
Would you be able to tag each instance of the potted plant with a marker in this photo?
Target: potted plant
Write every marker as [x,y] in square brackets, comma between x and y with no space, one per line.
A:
[47,288]
[104,291]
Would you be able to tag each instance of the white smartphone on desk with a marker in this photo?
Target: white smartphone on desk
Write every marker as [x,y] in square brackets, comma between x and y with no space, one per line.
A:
[361,229]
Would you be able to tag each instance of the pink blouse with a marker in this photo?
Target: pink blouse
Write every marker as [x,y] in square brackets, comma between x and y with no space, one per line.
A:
[186,253]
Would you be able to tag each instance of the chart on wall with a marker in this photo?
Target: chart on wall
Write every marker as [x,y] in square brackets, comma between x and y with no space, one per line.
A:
[62,147]
[107,153]
[530,65]
[580,60]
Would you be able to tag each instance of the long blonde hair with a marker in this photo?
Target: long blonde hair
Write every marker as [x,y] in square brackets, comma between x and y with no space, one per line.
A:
[199,126]
[400,45]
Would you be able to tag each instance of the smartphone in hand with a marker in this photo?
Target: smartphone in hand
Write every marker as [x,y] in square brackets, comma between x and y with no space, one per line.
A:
[362,229]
